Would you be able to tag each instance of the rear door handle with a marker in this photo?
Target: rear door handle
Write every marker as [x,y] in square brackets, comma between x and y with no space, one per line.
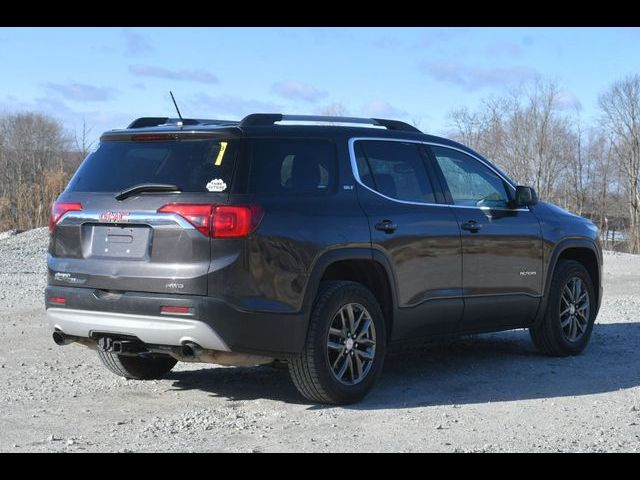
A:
[387,226]
[471,226]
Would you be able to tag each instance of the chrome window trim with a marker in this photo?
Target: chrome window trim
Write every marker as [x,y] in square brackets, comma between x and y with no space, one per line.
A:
[356,174]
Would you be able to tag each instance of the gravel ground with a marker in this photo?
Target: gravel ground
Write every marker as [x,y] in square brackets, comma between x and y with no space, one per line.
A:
[484,393]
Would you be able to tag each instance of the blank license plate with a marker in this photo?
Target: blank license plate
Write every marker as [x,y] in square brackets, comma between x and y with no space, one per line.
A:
[120,242]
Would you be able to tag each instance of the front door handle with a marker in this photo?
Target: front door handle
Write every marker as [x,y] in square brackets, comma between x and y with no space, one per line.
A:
[471,226]
[387,226]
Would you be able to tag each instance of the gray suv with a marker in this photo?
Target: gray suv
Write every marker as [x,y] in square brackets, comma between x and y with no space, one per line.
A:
[316,241]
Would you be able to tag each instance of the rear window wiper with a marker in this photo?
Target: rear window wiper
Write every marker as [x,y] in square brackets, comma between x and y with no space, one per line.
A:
[147,187]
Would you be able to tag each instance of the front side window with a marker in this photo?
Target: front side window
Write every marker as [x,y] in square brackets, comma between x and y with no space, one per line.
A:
[471,183]
[395,169]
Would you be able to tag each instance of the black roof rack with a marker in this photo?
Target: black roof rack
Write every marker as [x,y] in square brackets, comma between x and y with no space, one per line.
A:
[266,119]
[144,122]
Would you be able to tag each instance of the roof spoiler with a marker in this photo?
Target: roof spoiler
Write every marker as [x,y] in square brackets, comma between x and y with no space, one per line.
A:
[144,122]
[267,119]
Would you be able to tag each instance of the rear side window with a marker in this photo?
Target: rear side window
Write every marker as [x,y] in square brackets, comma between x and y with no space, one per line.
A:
[193,165]
[395,169]
[296,166]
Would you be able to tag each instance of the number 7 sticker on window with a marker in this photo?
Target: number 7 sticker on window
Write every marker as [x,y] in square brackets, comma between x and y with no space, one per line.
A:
[223,147]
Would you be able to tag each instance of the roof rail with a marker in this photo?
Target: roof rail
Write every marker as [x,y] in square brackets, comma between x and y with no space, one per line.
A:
[144,122]
[266,119]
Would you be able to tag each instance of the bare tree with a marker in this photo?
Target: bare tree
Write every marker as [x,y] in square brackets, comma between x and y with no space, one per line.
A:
[82,143]
[620,106]
[524,132]
[416,121]
[604,184]
[586,170]
[32,152]
[469,127]
[544,135]
[336,109]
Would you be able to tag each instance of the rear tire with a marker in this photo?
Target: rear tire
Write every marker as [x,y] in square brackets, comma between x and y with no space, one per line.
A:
[558,334]
[338,365]
[137,368]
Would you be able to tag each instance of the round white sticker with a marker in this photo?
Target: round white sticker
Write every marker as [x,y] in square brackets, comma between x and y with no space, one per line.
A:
[216,185]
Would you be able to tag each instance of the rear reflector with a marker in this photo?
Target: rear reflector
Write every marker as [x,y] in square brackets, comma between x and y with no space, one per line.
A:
[218,221]
[58,300]
[168,309]
[59,209]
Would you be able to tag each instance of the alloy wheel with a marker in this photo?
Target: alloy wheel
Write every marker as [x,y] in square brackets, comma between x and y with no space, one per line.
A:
[351,344]
[574,309]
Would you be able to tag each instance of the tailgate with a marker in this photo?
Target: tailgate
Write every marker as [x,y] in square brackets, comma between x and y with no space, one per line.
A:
[152,252]
[113,240]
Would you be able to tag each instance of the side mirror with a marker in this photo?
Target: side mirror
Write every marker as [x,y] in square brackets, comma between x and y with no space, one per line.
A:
[525,197]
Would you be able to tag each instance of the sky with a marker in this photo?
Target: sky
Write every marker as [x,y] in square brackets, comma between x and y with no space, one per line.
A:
[106,77]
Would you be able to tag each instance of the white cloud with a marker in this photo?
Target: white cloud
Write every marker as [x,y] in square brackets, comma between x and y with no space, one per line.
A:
[382,109]
[136,43]
[507,49]
[434,36]
[472,77]
[297,91]
[198,75]
[81,92]
[387,42]
[223,105]
[568,101]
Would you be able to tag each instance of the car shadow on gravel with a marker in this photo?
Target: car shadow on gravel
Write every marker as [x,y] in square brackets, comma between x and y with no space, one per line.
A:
[485,368]
[239,383]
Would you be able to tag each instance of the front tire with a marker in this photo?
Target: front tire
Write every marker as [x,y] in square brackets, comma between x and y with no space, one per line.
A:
[137,368]
[571,310]
[345,347]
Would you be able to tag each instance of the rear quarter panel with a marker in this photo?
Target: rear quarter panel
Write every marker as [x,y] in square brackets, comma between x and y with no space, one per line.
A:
[271,269]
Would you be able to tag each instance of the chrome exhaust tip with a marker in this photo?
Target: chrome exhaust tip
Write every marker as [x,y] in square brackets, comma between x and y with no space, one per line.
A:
[190,349]
[61,339]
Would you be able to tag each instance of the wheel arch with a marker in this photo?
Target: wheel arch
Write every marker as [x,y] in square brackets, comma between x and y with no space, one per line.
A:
[363,265]
[582,250]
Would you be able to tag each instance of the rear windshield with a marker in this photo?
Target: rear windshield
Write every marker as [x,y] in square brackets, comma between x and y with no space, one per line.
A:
[192,165]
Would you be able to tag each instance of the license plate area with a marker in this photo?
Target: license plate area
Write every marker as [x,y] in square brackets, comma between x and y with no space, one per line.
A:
[131,242]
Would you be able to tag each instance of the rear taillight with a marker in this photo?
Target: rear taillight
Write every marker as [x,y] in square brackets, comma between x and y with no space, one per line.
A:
[198,215]
[232,221]
[58,300]
[59,209]
[218,221]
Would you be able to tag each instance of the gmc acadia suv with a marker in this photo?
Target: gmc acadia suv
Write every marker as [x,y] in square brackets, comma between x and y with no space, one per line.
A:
[317,241]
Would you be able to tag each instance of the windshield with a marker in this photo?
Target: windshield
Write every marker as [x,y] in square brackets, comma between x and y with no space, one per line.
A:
[192,165]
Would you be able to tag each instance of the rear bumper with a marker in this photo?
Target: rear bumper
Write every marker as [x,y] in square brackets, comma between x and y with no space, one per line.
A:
[150,330]
[214,323]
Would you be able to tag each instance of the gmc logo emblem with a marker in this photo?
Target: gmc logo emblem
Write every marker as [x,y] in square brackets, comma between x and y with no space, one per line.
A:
[114,217]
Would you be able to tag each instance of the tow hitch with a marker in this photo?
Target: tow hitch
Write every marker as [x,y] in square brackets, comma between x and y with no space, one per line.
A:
[108,344]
